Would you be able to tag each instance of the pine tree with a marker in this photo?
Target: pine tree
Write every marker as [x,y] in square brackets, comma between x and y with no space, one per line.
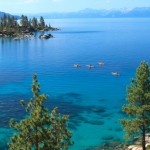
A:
[1,27]
[34,22]
[30,23]
[41,130]
[138,107]
[26,21]
[22,21]
[42,22]
[9,21]
[4,20]
[13,21]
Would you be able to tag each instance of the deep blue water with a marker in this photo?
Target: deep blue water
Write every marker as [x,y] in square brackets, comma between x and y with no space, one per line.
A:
[92,97]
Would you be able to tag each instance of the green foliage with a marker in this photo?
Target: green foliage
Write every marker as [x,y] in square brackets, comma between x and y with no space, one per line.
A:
[34,23]
[148,147]
[24,21]
[138,107]
[41,130]
[42,22]
[9,24]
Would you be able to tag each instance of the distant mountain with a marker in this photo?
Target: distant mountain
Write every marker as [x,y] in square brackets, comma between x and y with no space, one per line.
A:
[141,12]
[2,14]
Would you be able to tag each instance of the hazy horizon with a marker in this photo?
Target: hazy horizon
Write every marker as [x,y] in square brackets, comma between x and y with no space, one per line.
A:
[60,6]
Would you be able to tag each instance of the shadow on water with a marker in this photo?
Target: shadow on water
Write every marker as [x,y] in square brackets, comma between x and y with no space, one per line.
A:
[110,145]
[11,108]
[66,105]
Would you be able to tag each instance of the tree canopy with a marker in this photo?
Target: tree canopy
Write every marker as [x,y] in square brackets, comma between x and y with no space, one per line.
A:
[10,24]
[41,129]
[138,106]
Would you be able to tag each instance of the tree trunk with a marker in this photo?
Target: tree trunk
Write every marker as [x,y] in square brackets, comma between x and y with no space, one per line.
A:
[143,139]
[37,140]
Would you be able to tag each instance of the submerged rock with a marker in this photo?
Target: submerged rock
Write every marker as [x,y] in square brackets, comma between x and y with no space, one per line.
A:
[118,129]
[108,138]
[115,145]
[94,122]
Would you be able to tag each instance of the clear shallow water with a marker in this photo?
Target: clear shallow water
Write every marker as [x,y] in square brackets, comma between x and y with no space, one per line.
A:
[92,97]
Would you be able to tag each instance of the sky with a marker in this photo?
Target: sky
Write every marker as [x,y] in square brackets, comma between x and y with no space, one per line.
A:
[44,6]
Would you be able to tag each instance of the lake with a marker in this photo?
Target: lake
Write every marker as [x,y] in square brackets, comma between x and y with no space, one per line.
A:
[92,97]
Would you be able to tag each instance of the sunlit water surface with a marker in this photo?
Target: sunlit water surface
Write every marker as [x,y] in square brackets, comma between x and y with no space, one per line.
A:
[92,97]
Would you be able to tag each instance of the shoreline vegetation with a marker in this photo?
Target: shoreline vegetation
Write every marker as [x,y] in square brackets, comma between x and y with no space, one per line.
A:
[10,27]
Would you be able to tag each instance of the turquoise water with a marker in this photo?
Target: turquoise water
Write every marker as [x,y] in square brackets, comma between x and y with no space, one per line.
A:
[92,97]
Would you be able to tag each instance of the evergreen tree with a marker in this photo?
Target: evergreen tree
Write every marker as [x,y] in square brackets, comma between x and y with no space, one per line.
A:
[34,23]
[26,21]
[17,28]
[22,21]
[9,21]
[42,22]
[138,107]
[8,29]
[30,23]
[13,22]
[4,20]
[1,26]
[41,130]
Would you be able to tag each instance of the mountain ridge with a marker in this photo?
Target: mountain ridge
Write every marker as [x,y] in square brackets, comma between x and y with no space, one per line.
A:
[8,14]
[138,12]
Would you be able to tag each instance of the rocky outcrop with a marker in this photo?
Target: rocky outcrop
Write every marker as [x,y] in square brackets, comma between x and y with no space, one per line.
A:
[16,35]
[45,36]
[137,145]
[27,32]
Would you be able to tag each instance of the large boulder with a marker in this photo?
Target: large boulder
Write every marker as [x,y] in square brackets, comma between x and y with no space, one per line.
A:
[45,36]
[137,142]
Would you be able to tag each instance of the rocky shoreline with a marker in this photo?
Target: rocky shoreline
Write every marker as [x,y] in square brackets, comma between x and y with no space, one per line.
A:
[118,145]
[13,34]
[24,34]
[26,29]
